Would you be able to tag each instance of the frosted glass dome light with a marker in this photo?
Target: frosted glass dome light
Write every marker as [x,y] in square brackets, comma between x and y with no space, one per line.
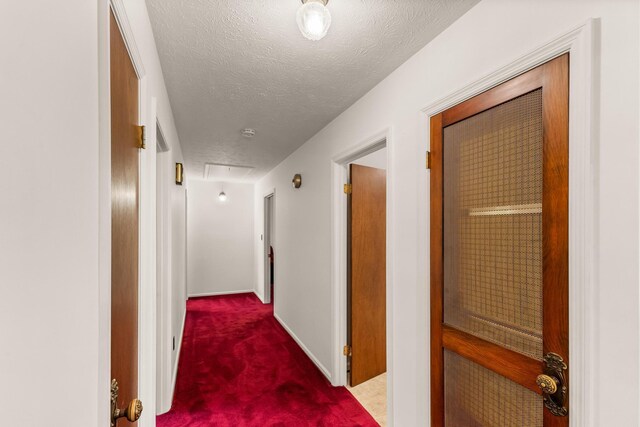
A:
[222,196]
[314,19]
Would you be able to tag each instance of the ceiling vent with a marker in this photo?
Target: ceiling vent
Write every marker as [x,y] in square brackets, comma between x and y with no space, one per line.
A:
[248,133]
[228,173]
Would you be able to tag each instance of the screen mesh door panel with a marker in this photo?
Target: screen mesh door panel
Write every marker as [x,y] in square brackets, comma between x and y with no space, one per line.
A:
[493,225]
[478,397]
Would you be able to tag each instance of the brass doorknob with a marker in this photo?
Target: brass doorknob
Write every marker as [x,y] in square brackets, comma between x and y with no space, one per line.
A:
[553,383]
[132,412]
[547,384]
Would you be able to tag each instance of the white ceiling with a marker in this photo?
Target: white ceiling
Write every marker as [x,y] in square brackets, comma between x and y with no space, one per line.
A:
[233,64]
[229,173]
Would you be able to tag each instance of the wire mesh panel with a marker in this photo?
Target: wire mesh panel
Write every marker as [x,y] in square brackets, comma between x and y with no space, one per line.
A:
[478,397]
[493,224]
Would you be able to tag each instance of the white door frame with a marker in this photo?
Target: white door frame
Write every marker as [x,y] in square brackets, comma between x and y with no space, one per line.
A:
[147,224]
[583,152]
[147,308]
[268,226]
[339,167]
[163,282]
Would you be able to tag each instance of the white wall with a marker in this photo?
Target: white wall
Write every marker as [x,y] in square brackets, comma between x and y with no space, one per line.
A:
[172,287]
[220,238]
[491,35]
[178,268]
[54,220]
[49,212]
[377,159]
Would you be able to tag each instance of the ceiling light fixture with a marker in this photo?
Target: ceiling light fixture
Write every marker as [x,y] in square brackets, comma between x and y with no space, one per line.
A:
[222,196]
[314,19]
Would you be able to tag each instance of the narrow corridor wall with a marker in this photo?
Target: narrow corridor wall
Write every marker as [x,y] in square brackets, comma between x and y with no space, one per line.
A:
[55,211]
[153,85]
[492,34]
[178,269]
[49,213]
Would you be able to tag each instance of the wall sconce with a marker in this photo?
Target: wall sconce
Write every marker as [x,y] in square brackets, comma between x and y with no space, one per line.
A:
[297,180]
[179,173]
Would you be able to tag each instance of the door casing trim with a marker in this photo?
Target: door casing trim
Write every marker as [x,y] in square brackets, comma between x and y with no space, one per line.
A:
[120,13]
[339,165]
[266,285]
[146,313]
[164,169]
[580,43]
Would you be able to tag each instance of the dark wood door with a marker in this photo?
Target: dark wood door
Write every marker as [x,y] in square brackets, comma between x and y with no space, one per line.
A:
[499,255]
[367,273]
[124,220]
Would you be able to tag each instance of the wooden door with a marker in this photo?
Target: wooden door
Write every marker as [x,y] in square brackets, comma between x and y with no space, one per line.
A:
[124,220]
[499,255]
[367,273]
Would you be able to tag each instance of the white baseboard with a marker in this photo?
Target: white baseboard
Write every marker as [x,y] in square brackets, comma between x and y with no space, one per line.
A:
[304,348]
[260,297]
[175,366]
[213,294]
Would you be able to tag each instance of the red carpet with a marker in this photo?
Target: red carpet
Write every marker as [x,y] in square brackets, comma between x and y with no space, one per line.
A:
[239,367]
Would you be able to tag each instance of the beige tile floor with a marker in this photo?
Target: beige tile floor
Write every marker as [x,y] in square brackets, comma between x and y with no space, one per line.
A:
[372,395]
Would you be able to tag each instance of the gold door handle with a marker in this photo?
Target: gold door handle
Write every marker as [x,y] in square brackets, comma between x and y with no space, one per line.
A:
[553,384]
[547,384]
[132,412]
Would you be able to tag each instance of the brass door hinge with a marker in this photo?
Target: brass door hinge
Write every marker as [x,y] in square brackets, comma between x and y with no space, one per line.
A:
[142,136]
[348,188]
[428,159]
[347,350]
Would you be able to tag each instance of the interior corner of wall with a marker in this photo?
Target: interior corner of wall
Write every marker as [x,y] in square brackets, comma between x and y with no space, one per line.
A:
[259,294]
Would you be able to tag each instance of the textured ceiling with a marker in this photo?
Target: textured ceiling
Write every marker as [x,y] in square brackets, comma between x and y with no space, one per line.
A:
[233,64]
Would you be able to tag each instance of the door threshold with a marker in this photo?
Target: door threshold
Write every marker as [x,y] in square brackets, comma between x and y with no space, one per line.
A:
[372,395]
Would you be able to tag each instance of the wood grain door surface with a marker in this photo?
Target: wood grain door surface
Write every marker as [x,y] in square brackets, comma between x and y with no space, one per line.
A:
[124,219]
[499,251]
[367,273]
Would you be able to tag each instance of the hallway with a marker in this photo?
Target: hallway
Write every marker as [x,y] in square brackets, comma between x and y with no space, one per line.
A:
[165,162]
[239,367]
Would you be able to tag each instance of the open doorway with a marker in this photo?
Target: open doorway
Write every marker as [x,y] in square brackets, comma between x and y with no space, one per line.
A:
[366,281]
[269,251]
